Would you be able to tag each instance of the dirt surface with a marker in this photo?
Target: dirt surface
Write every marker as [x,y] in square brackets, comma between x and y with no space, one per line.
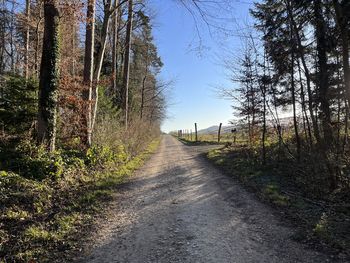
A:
[179,208]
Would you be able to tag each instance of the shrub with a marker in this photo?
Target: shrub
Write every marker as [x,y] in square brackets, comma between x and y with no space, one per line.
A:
[104,156]
[18,104]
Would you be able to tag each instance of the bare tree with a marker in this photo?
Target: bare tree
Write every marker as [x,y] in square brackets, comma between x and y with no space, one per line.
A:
[125,92]
[89,67]
[115,47]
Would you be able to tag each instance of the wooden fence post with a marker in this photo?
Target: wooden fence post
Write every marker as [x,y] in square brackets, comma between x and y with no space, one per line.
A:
[195,128]
[219,132]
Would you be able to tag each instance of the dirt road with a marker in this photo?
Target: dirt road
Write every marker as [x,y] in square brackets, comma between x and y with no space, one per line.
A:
[178,208]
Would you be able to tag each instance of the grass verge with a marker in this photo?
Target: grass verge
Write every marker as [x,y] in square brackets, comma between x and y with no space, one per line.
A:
[323,222]
[199,142]
[44,220]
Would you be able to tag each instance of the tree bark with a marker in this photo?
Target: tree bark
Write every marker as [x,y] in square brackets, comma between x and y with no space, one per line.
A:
[303,106]
[295,121]
[323,88]
[104,32]
[323,74]
[26,58]
[2,46]
[49,76]
[100,56]
[37,42]
[88,71]
[263,91]
[143,95]
[115,48]
[125,92]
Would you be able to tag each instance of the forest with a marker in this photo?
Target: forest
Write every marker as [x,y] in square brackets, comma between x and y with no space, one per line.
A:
[82,101]
[299,65]
[290,100]
[295,66]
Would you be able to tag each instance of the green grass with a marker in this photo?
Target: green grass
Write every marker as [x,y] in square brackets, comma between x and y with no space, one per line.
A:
[212,139]
[42,220]
[322,220]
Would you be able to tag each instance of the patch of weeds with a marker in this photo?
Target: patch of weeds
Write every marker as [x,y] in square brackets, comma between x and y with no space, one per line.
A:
[110,180]
[30,254]
[322,228]
[105,156]
[16,213]
[67,224]
[91,198]
[38,233]
[272,192]
[214,154]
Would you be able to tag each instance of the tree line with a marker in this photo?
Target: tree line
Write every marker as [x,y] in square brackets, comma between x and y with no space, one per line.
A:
[297,62]
[64,65]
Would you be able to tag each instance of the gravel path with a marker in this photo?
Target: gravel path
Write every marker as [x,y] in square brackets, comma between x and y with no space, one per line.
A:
[179,208]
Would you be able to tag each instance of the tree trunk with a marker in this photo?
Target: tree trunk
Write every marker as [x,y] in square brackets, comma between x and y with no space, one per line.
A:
[303,106]
[301,53]
[2,46]
[295,121]
[26,57]
[73,49]
[125,92]
[100,56]
[12,40]
[49,76]
[88,71]
[37,43]
[263,138]
[323,74]
[342,21]
[115,48]
[143,95]
[219,132]
[346,128]
[323,88]
[104,32]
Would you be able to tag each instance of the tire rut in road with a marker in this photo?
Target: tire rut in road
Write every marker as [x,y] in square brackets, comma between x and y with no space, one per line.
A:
[178,208]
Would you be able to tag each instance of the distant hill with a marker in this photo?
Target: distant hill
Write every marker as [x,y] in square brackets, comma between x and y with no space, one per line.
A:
[214,129]
[285,121]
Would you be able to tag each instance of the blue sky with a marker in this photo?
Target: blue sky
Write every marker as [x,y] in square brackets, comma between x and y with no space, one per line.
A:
[196,74]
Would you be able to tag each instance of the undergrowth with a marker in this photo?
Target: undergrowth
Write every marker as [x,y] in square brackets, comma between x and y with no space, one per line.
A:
[322,218]
[48,198]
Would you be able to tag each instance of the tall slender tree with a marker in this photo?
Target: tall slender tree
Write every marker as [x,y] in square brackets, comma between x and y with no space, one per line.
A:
[88,70]
[27,40]
[115,46]
[125,92]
